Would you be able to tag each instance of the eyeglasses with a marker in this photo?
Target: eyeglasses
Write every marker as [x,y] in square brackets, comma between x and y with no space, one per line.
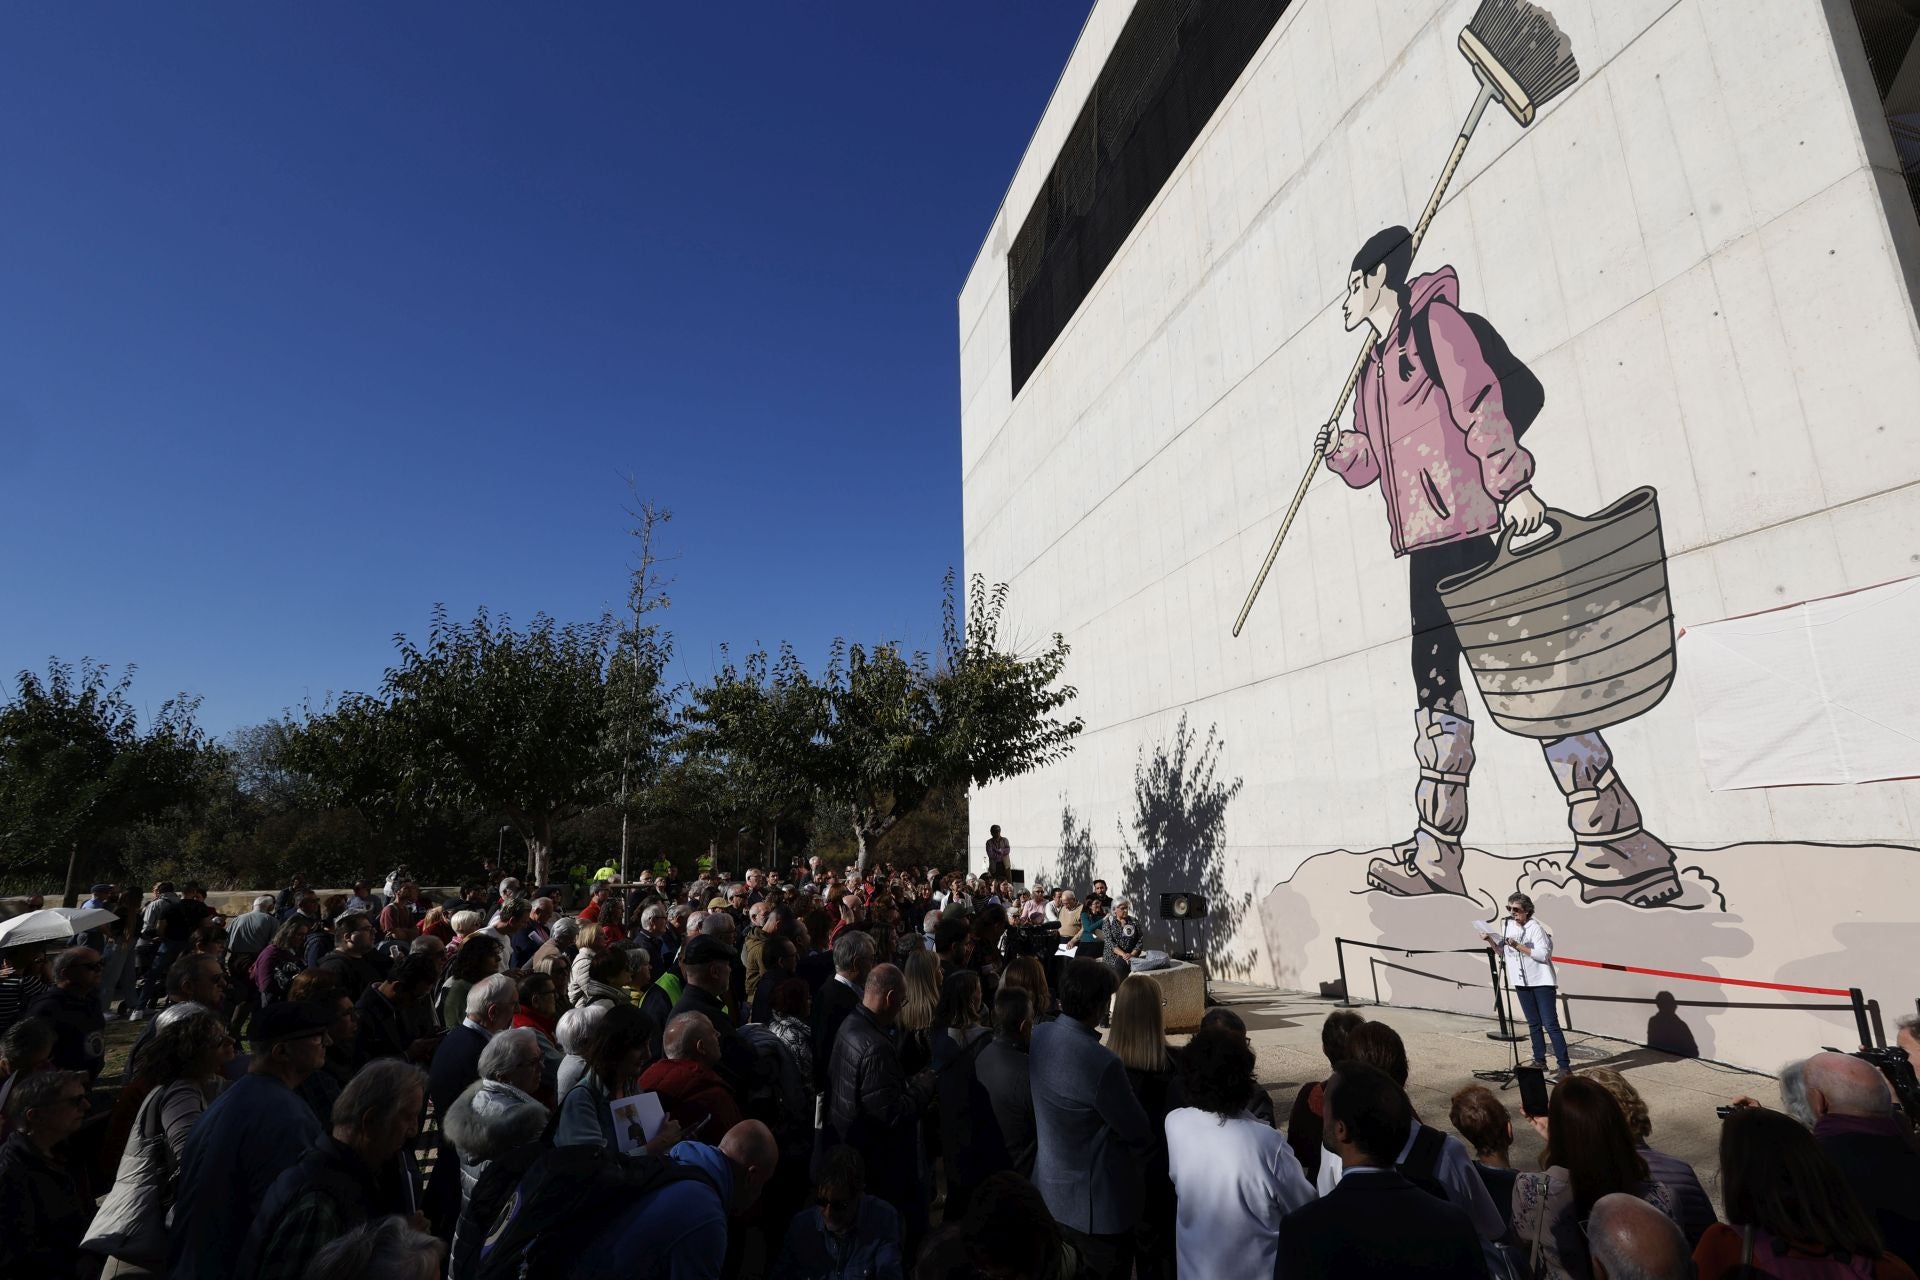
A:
[836,1204]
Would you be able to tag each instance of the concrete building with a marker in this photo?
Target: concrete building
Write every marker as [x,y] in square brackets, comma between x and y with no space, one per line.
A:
[1704,247]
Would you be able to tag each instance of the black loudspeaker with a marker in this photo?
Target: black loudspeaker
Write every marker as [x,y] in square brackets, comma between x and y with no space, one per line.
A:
[1182,906]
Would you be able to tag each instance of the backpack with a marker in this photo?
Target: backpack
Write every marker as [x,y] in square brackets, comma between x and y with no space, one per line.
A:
[1422,1165]
[564,1195]
[1521,392]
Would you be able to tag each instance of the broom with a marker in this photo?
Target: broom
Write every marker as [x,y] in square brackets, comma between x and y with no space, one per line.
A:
[1522,60]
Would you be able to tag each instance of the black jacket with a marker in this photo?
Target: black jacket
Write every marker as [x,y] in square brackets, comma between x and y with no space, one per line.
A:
[873,1106]
[831,1006]
[1003,1071]
[1884,1171]
[387,1029]
[456,1064]
[79,1030]
[1340,1236]
[45,1207]
[334,1171]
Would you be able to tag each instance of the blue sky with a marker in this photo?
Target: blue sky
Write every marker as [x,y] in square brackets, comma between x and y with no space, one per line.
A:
[314,315]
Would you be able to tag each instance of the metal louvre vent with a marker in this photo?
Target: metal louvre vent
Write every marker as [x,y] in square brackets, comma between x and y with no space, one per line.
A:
[1169,71]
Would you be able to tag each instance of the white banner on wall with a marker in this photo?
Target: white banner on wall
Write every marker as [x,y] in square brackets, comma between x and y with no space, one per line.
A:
[1825,691]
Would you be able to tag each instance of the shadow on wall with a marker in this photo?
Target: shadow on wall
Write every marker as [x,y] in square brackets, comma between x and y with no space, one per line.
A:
[1075,868]
[1178,844]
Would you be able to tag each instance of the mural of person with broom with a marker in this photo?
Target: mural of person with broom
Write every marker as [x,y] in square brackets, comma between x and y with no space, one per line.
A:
[1437,415]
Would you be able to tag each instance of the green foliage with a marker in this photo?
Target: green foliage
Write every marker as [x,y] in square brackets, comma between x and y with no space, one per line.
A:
[517,722]
[882,730]
[76,767]
[571,734]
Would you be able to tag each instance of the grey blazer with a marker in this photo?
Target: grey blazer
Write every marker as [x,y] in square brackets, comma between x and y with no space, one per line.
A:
[1090,1130]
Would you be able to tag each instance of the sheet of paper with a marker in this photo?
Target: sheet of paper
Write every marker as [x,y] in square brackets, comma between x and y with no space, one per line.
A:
[637,1119]
[1486,930]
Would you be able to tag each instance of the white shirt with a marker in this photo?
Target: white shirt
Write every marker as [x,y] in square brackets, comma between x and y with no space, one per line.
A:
[1455,1173]
[1525,970]
[1236,1178]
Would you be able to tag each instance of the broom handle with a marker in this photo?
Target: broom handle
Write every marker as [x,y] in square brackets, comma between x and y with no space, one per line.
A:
[1480,102]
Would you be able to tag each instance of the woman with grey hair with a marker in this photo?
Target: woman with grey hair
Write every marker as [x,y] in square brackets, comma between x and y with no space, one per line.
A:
[1124,937]
[575,1029]
[386,1249]
[498,1113]
[182,1071]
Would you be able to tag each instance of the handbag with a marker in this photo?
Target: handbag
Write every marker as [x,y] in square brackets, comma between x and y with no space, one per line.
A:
[131,1224]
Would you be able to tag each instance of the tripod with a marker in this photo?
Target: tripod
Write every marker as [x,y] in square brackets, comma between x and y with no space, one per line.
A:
[1506,1076]
[1187,953]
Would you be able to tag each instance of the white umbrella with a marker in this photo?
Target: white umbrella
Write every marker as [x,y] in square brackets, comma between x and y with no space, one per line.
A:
[52,924]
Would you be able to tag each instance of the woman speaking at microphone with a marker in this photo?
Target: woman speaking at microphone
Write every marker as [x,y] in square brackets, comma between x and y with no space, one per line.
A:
[1529,956]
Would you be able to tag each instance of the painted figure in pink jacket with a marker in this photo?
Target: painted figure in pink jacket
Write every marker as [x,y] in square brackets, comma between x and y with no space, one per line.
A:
[1431,429]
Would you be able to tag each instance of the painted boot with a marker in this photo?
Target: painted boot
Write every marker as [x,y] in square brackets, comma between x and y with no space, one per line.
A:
[1613,857]
[1429,862]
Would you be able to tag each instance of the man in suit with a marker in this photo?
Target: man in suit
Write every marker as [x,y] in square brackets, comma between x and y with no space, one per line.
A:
[853,957]
[1091,1131]
[1368,1120]
[491,1005]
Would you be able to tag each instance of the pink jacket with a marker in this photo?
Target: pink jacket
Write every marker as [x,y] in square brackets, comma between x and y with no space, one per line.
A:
[1444,452]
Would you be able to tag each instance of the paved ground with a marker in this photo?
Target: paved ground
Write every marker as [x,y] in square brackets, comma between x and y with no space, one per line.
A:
[1445,1049]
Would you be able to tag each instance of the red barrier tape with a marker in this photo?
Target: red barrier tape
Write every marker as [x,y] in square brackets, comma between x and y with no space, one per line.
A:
[1701,977]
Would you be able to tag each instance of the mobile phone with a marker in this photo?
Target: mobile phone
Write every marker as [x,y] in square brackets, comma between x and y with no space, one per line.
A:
[1533,1091]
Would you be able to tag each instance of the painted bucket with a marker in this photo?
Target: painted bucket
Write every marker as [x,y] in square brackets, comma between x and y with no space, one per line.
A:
[1571,632]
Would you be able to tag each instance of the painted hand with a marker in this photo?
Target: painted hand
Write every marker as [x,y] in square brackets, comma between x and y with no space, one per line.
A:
[1523,513]
[1323,442]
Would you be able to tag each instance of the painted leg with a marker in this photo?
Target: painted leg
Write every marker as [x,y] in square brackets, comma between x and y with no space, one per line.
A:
[1613,857]
[1429,862]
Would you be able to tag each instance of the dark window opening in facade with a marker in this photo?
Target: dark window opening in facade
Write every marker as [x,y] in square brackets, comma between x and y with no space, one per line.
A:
[1890,30]
[1169,71]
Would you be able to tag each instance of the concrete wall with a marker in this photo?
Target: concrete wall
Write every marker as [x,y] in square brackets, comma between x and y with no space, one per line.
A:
[1698,249]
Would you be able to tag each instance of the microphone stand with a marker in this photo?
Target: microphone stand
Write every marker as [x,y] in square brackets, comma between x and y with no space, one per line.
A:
[1507,1076]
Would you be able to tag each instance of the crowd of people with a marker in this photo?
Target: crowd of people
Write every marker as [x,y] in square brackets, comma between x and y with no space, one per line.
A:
[813,1075]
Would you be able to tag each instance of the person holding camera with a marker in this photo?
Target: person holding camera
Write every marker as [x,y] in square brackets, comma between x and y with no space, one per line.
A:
[1528,950]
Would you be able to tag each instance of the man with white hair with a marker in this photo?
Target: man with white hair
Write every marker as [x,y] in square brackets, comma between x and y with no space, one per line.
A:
[249,934]
[1857,1127]
[491,1004]
[1632,1240]
[656,936]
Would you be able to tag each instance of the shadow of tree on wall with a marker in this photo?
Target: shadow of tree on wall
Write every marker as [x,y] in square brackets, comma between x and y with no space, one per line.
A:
[1178,844]
[1076,867]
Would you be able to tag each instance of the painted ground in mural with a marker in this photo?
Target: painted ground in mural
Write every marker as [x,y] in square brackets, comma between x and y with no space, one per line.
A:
[1782,927]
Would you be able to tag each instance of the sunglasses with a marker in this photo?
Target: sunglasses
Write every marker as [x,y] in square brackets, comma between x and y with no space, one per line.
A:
[842,1205]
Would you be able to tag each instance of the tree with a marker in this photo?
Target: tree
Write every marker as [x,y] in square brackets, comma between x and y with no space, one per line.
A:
[746,752]
[514,722]
[883,731]
[639,694]
[998,706]
[896,731]
[75,766]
